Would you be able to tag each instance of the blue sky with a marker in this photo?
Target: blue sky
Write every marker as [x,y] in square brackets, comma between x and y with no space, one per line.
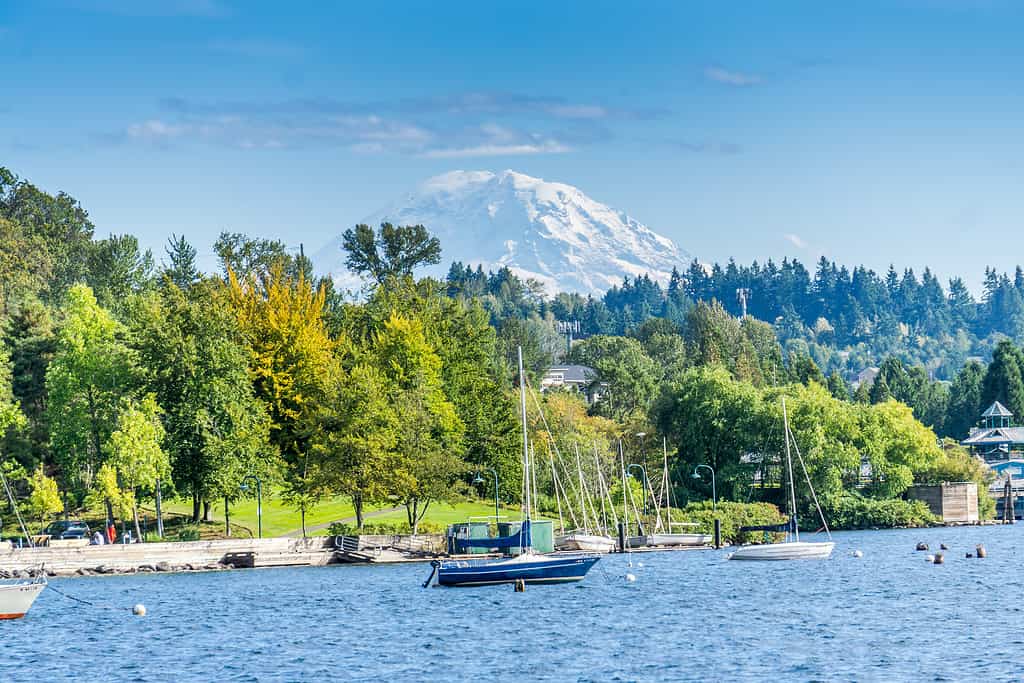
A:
[867,132]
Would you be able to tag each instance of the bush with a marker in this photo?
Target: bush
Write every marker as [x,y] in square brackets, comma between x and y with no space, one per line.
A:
[857,512]
[189,532]
[384,528]
[733,516]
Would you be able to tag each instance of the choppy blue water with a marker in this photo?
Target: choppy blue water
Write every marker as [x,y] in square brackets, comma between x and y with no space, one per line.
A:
[689,616]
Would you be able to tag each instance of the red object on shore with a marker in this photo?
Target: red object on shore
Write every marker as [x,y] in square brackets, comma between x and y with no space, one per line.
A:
[111,533]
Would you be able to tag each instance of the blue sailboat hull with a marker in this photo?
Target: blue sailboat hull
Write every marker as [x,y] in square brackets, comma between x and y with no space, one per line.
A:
[563,569]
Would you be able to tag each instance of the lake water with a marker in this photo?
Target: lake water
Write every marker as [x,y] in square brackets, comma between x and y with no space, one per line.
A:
[690,615]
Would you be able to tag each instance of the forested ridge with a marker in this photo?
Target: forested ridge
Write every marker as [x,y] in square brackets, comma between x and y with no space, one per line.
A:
[122,372]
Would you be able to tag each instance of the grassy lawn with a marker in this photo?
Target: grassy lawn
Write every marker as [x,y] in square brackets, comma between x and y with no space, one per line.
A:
[278,519]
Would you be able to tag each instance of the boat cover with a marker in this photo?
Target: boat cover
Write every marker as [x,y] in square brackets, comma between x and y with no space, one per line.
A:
[520,539]
[786,527]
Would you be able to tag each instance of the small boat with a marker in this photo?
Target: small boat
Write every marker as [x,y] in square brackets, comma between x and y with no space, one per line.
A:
[528,567]
[669,540]
[792,548]
[580,540]
[16,597]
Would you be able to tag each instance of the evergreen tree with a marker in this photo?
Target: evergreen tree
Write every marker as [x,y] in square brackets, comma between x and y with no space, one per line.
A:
[965,396]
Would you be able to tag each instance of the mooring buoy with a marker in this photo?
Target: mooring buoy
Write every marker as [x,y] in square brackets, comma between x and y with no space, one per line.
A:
[520,585]
[858,553]
[929,558]
[943,546]
[139,610]
[939,559]
[630,578]
[922,546]
[981,550]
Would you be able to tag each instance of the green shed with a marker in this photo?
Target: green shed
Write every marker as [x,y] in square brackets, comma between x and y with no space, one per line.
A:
[542,531]
[464,530]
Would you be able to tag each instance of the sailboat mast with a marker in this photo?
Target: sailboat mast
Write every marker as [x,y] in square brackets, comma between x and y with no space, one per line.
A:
[526,438]
[789,468]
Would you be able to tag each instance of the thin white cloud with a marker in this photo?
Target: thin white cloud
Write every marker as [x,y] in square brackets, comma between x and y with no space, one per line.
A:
[727,77]
[258,48]
[492,150]
[795,240]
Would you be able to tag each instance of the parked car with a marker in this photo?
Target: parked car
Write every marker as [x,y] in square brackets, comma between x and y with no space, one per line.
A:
[68,528]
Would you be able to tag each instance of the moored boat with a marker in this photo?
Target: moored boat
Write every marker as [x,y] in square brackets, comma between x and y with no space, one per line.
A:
[669,540]
[16,597]
[792,548]
[578,540]
[529,568]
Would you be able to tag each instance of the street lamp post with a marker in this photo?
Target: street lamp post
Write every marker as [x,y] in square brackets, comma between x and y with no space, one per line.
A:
[714,503]
[714,496]
[645,485]
[480,480]
[259,500]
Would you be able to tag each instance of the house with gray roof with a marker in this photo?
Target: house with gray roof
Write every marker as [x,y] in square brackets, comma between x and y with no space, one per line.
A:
[579,378]
[997,439]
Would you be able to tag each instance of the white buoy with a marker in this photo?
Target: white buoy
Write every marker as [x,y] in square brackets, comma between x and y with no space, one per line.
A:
[640,565]
[858,553]
[929,558]
[630,578]
[139,610]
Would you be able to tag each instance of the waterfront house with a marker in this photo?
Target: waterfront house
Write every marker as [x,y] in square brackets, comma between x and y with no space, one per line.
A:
[997,440]
[578,378]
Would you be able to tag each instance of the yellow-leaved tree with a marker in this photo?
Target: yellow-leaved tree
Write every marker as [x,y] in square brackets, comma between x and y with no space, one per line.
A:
[44,500]
[282,321]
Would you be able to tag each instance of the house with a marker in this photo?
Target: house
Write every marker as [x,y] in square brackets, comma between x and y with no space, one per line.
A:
[578,378]
[997,440]
[866,377]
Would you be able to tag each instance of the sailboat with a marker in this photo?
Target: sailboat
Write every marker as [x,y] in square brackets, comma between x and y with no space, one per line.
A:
[586,538]
[17,595]
[663,535]
[792,548]
[528,566]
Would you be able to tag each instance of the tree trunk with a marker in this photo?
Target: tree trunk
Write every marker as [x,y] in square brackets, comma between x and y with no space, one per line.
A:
[357,503]
[159,512]
[195,508]
[227,518]
[206,511]
[302,511]
[135,517]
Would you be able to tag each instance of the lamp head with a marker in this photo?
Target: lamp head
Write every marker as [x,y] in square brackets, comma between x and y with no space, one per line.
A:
[243,487]
[696,475]
[478,479]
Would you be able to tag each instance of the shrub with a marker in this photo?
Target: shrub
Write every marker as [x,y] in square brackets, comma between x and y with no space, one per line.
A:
[188,533]
[857,512]
[383,528]
[733,516]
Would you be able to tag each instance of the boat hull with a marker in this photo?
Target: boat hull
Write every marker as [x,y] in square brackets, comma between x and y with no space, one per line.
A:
[591,543]
[17,598]
[798,550]
[669,540]
[531,570]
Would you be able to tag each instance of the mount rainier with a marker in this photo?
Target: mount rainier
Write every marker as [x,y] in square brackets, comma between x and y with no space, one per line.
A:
[551,232]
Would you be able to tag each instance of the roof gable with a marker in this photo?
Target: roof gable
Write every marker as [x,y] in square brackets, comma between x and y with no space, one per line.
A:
[997,409]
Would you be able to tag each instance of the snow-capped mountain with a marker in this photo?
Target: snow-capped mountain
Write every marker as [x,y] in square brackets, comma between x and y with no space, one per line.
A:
[548,231]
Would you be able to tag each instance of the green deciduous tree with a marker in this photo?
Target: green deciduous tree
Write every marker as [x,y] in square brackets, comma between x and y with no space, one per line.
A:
[393,252]
[136,450]
[92,370]
[44,499]
[627,377]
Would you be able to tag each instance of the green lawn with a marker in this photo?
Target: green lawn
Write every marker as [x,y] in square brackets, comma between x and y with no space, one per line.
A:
[278,519]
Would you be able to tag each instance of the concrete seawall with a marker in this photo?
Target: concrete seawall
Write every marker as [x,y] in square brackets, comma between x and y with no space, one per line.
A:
[182,556]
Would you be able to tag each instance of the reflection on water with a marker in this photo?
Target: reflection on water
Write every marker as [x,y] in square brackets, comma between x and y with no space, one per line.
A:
[690,615]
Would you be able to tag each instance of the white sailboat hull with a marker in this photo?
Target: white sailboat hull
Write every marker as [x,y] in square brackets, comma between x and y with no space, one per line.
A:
[796,550]
[17,598]
[668,540]
[679,539]
[592,543]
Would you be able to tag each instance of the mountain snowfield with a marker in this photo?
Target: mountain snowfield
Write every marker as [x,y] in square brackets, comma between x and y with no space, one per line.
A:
[551,232]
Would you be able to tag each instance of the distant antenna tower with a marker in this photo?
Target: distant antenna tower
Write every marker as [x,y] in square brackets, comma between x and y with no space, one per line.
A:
[742,296]
[568,328]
